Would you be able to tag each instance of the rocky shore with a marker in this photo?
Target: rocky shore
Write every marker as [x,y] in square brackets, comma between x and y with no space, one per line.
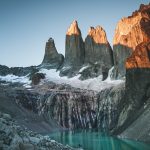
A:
[15,137]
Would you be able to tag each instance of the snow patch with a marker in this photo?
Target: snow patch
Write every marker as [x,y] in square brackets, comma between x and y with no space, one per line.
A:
[16,79]
[83,68]
[53,141]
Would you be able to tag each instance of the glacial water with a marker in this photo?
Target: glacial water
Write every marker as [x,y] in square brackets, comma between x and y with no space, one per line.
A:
[91,140]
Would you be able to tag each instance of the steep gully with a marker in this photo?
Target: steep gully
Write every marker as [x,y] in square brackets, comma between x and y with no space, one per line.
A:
[118,109]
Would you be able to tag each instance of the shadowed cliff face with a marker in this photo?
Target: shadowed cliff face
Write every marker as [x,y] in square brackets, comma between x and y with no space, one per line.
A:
[74,54]
[52,59]
[120,54]
[129,33]
[137,98]
[80,109]
[137,91]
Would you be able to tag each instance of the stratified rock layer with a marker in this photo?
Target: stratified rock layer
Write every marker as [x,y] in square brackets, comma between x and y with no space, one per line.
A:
[52,59]
[81,109]
[129,33]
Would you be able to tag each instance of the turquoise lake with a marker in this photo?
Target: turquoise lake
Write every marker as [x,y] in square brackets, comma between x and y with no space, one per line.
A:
[91,140]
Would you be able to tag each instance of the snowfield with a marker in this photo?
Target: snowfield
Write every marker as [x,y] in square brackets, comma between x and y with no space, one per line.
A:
[95,84]
[16,79]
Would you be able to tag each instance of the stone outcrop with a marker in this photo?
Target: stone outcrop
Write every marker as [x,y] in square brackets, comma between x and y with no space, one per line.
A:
[74,49]
[52,59]
[98,49]
[129,33]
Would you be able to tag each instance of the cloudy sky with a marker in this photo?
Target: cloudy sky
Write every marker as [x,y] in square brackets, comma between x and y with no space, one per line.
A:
[25,25]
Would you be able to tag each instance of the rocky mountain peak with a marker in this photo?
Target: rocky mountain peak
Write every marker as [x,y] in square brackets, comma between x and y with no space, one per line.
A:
[73,29]
[98,34]
[52,58]
[51,43]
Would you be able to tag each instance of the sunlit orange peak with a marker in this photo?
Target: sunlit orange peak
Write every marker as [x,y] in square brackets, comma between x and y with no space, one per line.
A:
[73,29]
[98,35]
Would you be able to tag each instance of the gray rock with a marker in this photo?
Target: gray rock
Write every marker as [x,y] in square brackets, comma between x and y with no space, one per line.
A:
[36,78]
[18,71]
[94,70]
[83,109]
[26,146]
[14,141]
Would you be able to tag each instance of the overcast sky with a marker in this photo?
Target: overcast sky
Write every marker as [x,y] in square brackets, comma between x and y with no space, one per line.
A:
[26,25]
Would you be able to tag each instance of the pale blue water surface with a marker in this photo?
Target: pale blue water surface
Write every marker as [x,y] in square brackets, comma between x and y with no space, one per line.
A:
[92,140]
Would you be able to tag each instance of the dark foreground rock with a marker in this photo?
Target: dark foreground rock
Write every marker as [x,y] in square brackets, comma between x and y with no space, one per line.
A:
[14,137]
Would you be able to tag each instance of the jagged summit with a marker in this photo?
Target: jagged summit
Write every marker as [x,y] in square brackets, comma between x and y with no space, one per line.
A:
[51,40]
[98,34]
[73,29]
[52,58]
[135,29]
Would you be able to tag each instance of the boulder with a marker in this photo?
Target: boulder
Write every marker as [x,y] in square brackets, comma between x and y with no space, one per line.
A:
[36,78]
